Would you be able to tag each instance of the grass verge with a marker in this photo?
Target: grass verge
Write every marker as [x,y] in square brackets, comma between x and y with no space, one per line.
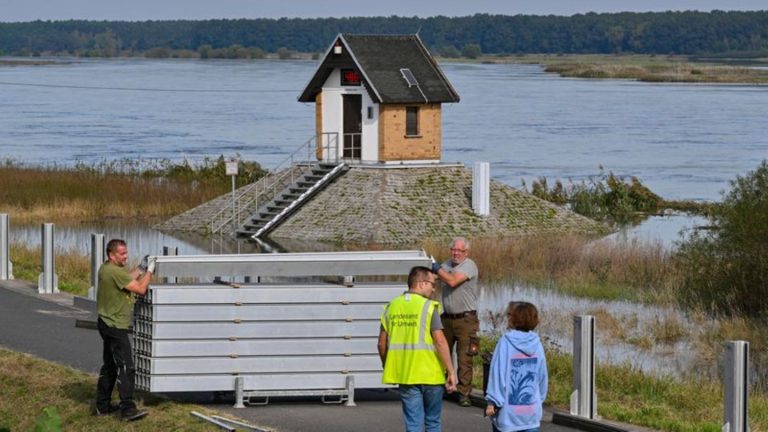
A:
[28,385]
[72,268]
[627,395]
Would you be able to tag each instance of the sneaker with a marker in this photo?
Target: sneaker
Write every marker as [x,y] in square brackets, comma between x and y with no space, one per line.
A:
[111,409]
[131,414]
[464,401]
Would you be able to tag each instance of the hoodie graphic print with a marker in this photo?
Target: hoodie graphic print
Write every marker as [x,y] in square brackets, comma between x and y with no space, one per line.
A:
[521,393]
[517,384]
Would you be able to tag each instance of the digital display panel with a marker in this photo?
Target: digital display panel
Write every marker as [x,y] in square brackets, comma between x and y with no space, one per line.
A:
[350,77]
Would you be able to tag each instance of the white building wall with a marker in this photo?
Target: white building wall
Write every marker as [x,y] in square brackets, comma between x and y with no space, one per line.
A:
[370,129]
[333,120]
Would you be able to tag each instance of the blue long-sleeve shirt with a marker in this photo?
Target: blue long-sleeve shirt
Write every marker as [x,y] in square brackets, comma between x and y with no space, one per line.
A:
[517,384]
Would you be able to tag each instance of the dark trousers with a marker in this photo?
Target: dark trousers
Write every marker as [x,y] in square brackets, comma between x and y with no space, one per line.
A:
[118,368]
[457,333]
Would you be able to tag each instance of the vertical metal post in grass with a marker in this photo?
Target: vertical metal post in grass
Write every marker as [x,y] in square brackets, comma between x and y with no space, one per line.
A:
[48,282]
[97,259]
[481,190]
[736,386]
[5,257]
[583,398]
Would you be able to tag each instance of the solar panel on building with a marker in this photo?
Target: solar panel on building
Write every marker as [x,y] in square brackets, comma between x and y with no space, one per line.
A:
[409,78]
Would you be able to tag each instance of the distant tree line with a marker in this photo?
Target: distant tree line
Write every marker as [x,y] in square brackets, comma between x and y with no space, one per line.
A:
[691,33]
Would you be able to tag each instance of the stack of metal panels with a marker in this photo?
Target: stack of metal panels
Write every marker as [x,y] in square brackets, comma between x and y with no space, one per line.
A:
[294,338]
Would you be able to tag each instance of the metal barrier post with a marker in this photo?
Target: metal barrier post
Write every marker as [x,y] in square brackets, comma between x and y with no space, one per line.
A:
[736,386]
[170,251]
[239,393]
[97,259]
[351,391]
[5,257]
[583,398]
[48,282]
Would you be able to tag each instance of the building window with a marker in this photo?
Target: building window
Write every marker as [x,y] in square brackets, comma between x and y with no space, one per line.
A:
[411,121]
[370,113]
[350,77]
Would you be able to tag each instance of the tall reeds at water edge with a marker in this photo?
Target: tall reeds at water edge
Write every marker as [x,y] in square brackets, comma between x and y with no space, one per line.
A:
[577,265]
[123,189]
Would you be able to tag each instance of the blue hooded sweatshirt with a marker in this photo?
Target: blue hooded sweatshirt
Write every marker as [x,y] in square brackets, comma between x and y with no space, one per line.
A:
[517,384]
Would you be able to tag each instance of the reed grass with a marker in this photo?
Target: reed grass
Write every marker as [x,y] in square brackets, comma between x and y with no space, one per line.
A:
[673,72]
[649,68]
[125,189]
[576,265]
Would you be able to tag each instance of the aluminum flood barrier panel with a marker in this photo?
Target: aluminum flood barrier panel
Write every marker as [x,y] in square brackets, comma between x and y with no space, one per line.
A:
[274,339]
[292,264]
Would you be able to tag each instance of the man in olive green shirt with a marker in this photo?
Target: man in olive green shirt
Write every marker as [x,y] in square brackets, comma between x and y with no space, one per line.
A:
[115,306]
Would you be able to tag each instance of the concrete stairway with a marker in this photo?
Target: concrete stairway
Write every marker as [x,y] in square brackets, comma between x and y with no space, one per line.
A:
[270,215]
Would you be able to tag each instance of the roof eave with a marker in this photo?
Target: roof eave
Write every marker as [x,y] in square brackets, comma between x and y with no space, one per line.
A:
[362,71]
[438,70]
[308,96]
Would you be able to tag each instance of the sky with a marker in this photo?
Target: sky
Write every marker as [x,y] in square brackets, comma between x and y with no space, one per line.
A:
[141,10]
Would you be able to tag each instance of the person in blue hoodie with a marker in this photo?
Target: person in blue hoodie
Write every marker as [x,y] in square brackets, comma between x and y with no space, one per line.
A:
[517,385]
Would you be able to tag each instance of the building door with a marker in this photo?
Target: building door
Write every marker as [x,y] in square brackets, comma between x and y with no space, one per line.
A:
[353,127]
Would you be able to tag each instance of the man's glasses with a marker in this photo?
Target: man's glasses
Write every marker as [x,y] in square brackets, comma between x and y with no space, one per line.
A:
[458,250]
[429,282]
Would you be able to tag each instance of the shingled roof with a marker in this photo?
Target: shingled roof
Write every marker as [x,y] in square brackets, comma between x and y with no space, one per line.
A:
[380,58]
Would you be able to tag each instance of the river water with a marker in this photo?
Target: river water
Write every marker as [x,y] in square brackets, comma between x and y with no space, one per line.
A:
[684,141]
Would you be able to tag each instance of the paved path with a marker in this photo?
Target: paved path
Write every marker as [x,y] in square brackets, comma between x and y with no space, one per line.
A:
[45,326]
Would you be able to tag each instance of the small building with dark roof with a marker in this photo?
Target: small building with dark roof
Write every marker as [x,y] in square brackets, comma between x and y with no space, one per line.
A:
[377,101]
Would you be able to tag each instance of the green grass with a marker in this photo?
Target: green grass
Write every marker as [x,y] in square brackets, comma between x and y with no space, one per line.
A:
[72,268]
[650,68]
[28,385]
[627,395]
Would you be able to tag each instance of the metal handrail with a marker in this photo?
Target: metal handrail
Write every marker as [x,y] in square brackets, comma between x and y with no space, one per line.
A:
[328,145]
[298,201]
[268,183]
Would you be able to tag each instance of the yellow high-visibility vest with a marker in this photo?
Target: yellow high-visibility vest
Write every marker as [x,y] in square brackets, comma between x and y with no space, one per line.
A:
[411,354]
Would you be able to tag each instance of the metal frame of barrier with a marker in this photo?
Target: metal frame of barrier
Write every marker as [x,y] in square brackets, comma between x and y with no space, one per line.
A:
[291,264]
[299,336]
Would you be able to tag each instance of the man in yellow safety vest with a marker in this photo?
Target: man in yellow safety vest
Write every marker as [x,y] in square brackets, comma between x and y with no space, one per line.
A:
[414,352]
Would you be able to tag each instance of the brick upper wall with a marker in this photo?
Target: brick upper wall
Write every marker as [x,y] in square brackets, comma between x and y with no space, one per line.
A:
[394,145]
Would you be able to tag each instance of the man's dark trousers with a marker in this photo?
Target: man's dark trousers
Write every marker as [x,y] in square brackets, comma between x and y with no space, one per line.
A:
[118,367]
